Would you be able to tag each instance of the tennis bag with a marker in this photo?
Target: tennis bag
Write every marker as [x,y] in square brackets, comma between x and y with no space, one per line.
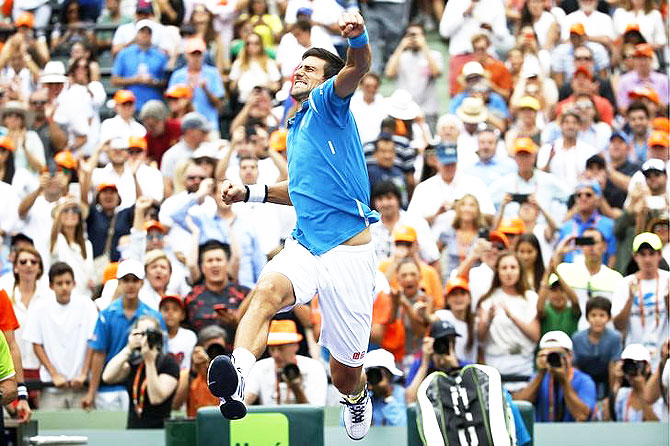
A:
[469,409]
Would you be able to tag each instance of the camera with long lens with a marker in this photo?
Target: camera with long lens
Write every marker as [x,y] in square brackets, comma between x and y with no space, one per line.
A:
[442,346]
[633,368]
[290,372]
[215,349]
[154,338]
[374,375]
[555,359]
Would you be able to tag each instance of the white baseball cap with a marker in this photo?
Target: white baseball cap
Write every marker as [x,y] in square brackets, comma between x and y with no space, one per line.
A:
[130,267]
[556,338]
[636,352]
[381,358]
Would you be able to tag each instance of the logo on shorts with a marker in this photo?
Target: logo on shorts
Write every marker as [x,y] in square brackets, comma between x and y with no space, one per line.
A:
[359,355]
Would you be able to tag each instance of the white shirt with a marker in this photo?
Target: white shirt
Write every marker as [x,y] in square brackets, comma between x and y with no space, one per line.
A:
[181,347]
[264,219]
[33,225]
[180,153]
[83,267]
[460,29]
[126,33]
[117,127]
[432,193]
[383,238]
[567,164]
[638,180]
[480,279]
[24,183]
[542,27]
[180,238]
[268,173]
[262,381]
[149,178]
[23,315]
[89,99]
[651,24]
[595,24]
[63,331]
[253,76]
[368,117]
[9,215]
[651,334]
[461,327]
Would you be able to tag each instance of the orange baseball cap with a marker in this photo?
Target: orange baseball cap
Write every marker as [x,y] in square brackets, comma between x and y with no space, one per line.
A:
[577,28]
[103,186]
[136,142]
[662,124]
[109,272]
[643,50]
[194,44]
[404,234]
[66,159]
[283,332]
[278,140]
[658,138]
[179,91]
[513,226]
[7,143]
[124,96]
[154,224]
[583,70]
[25,19]
[524,145]
[497,236]
[632,27]
[456,283]
[644,92]
[172,298]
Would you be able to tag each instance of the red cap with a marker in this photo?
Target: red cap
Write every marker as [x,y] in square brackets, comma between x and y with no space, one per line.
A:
[644,92]
[583,70]
[456,283]
[658,138]
[124,96]
[643,50]
[66,159]
[194,44]
[173,298]
[136,142]
[577,28]
[7,143]
[25,19]
[154,224]
[179,91]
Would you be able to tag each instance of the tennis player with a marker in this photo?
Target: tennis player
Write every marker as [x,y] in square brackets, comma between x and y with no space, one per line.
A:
[330,252]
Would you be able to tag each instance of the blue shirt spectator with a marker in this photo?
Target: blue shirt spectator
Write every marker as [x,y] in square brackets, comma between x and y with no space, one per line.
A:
[563,58]
[595,359]
[140,68]
[577,224]
[582,384]
[390,411]
[495,103]
[490,170]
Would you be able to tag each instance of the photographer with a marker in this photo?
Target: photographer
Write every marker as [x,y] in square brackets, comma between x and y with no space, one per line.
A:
[627,401]
[388,397]
[211,343]
[286,377]
[558,391]
[150,377]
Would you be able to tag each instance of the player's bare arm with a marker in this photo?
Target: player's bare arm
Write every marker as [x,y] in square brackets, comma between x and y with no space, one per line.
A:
[358,60]
[276,193]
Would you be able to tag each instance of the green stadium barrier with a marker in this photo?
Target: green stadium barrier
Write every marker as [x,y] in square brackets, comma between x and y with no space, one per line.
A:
[414,439]
[180,432]
[288,425]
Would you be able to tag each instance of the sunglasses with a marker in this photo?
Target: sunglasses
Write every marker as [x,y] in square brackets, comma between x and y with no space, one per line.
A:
[403,243]
[135,151]
[26,261]
[652,173]
[499,246]
[195,177]
[584,194]
[155,237]
[584,58]
[38,103]
[72,210]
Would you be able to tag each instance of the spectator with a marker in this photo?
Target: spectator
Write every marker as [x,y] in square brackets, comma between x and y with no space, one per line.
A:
[179,99]
[557,304]
[527,248]
[211,343]
[70,27]
[33,42]
[125,34]
[163,132]
[507,327]
[50,321]
[383,167]
[22,181]
[629,402]
[491,162]
[417,68]
[161,280]
[545,22]
[658,157]
[639,304]
[386,199]
[638,119]
[367,106]
[111,335]
[29,152]
[485,252]
[525,126]
[598,27]
[123,125]
[217,300]
[498,75]
[458,312]
[598,348]
[648,19]
[286,377]
[642,75]
[582,84]
[140,67]
[619,169]
[205,81]
[111,15]
[149,375]
[564,59]
[180,342]
[266,24]
[438,194]
[53,137]
[388,397]
[559,392]
[194,129]
[657,385]
[293,44]
[476,85]
[253,68]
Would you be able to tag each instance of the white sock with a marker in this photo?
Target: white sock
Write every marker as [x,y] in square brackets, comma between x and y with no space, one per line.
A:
[244,360]
[356,398]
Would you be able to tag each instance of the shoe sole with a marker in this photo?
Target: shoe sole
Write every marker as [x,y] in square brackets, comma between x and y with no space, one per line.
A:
[222,377]
[233,410]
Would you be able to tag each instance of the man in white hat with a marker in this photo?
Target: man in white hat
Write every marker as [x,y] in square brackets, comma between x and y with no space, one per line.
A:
[558,391]
[388,397]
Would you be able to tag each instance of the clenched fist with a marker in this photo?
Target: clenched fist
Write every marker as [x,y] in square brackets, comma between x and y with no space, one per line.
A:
[351,25]
[232,193]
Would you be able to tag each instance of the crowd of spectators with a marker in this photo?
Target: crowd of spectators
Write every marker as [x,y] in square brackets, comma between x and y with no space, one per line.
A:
[526,228]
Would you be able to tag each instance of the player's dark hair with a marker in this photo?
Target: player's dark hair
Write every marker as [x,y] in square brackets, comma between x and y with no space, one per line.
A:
[58,269]
[384,188]
[333,65]
[637,105]
[599,303]
[211,245]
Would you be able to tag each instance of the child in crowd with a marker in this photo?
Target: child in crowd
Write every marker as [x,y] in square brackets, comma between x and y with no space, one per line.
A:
[557,304]
[597,348]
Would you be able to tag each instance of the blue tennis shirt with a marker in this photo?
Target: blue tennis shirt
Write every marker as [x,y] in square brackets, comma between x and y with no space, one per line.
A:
[328,177]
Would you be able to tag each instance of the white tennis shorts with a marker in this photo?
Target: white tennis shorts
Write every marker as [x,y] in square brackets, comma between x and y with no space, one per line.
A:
[344,279]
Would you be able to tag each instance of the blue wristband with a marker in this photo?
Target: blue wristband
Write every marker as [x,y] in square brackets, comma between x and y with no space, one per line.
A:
[359,41]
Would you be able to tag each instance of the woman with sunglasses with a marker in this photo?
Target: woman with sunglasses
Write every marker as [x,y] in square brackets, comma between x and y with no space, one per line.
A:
[253,68]
[24,292]
[507,326]
[69,244]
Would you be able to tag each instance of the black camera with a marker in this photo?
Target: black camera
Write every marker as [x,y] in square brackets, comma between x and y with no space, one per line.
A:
[442,346]
[154,338]
[633,368]
[555,359]
[215,350]
[290,371]
[374,375]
